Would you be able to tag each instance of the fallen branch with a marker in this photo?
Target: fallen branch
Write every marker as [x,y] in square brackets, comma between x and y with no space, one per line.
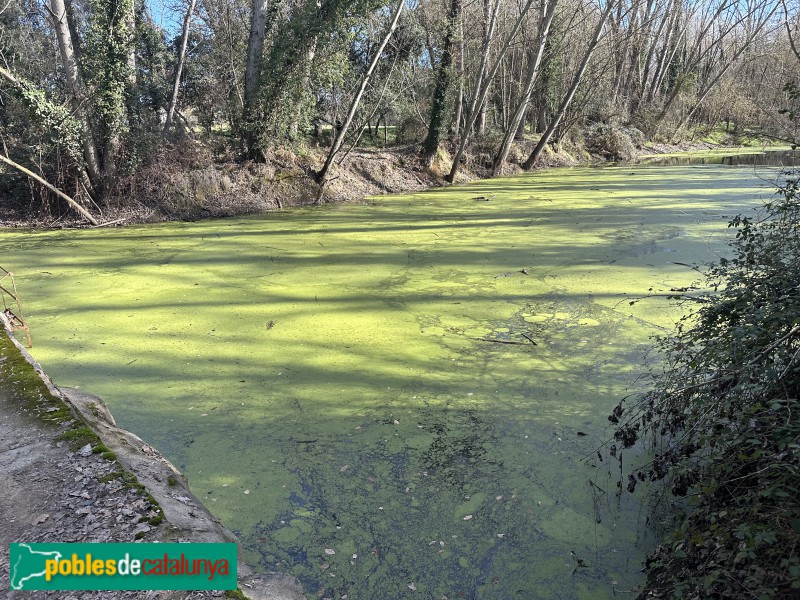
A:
[509,342]
[77,207]
[109,223]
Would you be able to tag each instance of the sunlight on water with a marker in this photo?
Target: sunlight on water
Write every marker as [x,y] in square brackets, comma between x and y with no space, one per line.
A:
[411,383]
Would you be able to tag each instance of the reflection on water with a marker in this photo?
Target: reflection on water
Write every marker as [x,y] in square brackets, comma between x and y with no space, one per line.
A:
[771,158]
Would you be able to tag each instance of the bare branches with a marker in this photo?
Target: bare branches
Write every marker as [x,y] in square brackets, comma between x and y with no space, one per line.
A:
[73,204]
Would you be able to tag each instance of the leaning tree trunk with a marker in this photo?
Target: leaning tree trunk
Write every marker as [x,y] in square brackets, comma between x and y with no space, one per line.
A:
[75,87]
[562,109]
[322,175]
[482,88]
[176,84]
[517,119]
[74,205]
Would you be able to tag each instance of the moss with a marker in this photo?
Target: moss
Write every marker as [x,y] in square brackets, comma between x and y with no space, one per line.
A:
[157,519]
[236,594]
[112,476]
[172,481]
[104,452]
[78,437]
[19,381]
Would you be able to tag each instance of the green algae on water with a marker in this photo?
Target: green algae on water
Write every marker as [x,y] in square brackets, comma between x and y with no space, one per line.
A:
[400,392]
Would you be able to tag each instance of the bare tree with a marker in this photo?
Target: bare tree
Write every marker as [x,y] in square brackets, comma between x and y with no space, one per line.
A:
[322,175]
[548,9]
[483,84]
[176,84]
[58,12]
[576,81]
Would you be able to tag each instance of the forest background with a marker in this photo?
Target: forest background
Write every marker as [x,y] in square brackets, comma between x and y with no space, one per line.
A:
[163,109]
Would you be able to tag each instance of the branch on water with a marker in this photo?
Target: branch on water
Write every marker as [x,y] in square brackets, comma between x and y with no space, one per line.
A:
[509,342]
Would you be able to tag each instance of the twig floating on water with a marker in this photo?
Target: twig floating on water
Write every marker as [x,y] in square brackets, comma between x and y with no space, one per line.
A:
[509,342]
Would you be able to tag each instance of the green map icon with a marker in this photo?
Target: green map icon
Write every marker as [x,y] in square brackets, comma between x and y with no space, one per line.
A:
[28,564]
[123,566]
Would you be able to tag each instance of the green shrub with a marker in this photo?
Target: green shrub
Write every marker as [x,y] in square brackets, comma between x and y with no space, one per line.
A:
[724,420]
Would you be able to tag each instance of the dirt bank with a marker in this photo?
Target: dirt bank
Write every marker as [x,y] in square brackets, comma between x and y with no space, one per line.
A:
[185,185]
[71,475]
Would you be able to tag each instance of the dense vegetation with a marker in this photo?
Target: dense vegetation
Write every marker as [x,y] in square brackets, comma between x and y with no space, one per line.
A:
[101,99]
[724,419]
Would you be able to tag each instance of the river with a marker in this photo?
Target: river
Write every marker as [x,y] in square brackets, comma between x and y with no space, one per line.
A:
[402,397]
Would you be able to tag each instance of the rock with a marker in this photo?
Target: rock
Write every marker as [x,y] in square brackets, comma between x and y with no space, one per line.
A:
[271,586]
[85,451]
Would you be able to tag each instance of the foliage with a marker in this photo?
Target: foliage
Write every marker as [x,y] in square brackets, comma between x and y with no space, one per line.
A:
[105,60]
[612,141]
[724,419]
[309,54]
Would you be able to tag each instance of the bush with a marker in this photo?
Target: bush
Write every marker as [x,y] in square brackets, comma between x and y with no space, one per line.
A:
[613,142]
[724,418]
[411,131]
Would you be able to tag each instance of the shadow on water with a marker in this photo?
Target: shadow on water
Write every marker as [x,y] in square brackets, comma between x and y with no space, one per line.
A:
[398,393]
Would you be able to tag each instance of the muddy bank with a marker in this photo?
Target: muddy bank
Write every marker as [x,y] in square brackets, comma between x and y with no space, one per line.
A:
[186,185]
[71,475]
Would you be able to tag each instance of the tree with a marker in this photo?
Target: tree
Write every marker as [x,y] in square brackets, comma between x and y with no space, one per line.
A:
[444,75]
[77,96]
[484,80]
[173,101]
[576,80]
[548,10]
[322,174]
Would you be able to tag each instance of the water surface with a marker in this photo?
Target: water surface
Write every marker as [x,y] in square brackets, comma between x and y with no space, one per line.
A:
[394,398]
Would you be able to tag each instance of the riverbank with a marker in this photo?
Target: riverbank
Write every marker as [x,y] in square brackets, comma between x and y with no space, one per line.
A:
[185,184]
[366,366]
[71,475]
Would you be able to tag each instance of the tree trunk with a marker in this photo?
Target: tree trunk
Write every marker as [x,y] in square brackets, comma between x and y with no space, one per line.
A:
[729,62]
[173,101]
[518,118]
[130,24]
[308,64]
[436,126]
[489,23]
[255,49]
[74,205]
[322,175]
[456,128]
[576,80]
[482,86]
[75,87]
